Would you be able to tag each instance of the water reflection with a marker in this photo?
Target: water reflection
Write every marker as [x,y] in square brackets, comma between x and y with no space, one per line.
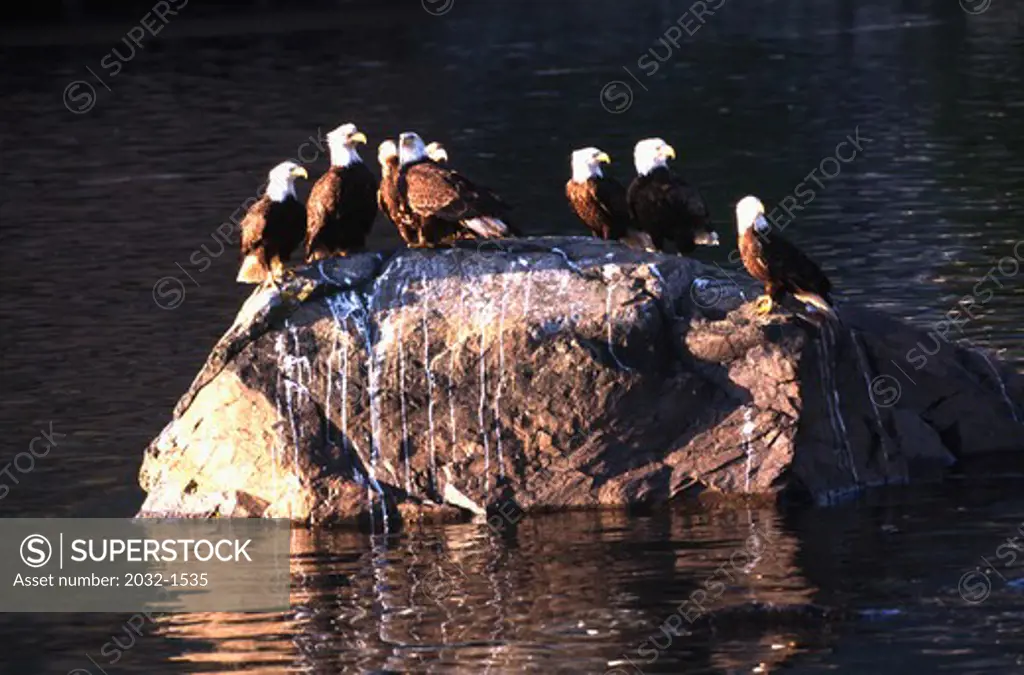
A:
[464,599]
[856,588]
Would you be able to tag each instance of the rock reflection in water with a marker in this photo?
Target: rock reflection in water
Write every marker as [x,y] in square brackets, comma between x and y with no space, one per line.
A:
[465,598]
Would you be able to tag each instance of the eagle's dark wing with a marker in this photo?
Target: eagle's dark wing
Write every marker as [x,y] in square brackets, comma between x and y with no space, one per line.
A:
[611,197]
[434,191]
[485,202]
[286,227]
[664,205]
[791,269]
[341,209]
[253,225]
[681,197]
[485,199]
[363,185]
[323,204]
[695,204]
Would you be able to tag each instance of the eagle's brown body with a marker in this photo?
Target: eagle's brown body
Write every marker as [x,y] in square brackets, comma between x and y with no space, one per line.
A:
[390,202]
[442,204]
[600,203]
[340,211]
[782,267]
[270,232]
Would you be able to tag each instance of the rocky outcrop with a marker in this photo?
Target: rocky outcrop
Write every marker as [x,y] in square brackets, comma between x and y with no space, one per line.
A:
[555,373]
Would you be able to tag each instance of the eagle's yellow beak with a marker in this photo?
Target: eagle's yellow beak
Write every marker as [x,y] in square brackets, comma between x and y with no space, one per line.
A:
[300,172]
[358,137]
[603,157]
[668,151]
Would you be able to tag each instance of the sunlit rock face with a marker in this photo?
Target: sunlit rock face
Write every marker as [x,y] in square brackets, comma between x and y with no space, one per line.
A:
[553,373]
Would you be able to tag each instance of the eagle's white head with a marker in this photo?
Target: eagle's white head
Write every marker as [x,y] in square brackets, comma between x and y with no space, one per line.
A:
[437,152]
[342,143]
[410,148]
[281,180]
[387,151]
[586,164]
[750,214]
[651,153]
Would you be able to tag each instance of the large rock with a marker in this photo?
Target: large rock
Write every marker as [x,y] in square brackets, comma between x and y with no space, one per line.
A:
[555,373]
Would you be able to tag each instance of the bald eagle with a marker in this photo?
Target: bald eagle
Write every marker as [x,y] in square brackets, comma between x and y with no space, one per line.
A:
[598,200]
[664,205]
[779,265]
[443,202]
[273,226]
[343,202]
[388,198]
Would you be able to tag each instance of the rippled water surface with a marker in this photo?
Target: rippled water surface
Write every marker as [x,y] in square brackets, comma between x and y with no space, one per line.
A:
[877,587]
[97,209]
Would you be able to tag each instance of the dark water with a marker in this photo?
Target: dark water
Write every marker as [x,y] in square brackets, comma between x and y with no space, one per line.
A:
[98,208]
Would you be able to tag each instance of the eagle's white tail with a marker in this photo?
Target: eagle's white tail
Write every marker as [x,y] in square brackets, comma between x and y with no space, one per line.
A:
[252,271]
[818,303]
[706,239]
[487,227]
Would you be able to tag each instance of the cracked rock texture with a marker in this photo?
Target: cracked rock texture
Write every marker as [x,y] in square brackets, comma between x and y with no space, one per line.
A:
[553,373]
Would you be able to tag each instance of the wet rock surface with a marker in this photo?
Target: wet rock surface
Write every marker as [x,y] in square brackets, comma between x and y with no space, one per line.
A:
[552,373]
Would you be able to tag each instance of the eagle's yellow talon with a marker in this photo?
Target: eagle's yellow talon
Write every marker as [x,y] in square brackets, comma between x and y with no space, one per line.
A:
[764,304]
[279,275]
